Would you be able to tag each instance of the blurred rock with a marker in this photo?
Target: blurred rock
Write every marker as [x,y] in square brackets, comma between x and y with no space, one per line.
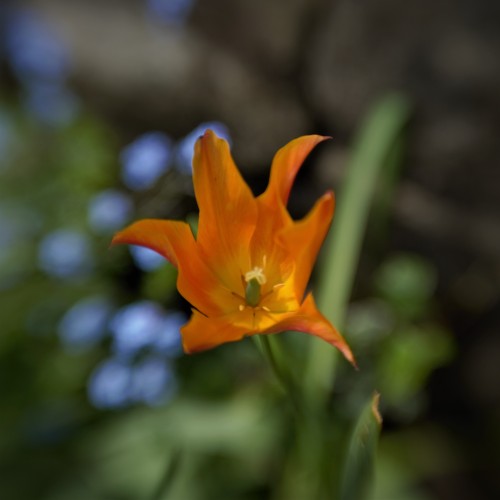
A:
[151,76]
[274,70]
[267,34]
[444,56]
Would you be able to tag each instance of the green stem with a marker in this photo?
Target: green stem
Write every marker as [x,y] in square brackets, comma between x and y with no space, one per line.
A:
[271,350]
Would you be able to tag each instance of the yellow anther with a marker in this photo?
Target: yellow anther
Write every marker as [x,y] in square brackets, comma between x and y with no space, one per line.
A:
[256,273]
[241,307]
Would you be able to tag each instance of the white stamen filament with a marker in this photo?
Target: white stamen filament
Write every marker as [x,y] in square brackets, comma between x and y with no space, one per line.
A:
[256,273]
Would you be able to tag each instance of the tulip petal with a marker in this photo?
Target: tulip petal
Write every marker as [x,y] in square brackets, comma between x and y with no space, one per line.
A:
[202,333]
[286,164]
[309,320]
[161,236]
[228,210]
[303,239]
[174,240]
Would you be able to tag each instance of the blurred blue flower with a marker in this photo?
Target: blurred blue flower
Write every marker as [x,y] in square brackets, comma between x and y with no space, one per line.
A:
[146,324]
[51,103]
[145,259]
[85,324]
[33,48]
[145,160]
[169,341]
[109,211]
[170,11]
[65,253]
[110,383]
[136,326]
[153,381]
[185,147]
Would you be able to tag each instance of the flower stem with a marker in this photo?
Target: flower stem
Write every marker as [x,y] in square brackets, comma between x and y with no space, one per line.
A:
[273,353]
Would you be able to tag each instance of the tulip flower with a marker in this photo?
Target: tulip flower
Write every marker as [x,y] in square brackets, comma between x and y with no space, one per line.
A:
[247,270]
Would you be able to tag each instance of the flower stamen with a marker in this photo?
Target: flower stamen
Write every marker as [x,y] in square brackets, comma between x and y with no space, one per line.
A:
[256,273]
[254,278]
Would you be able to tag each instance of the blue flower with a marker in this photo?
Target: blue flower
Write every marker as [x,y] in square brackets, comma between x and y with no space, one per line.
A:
[145,160]
[85,324]
[170,11]
[110,383]
[185,147]
[145,259]
[146,324]
[33,49]
[65,253]
[136,326]
[169,341]
[153,381]
[109,211]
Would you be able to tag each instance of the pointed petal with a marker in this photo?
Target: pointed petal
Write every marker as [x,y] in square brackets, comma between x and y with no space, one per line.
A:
[286,164]
[309,320]
[164,237]
[174,240]
[202,333]
[228,210]
[303,239]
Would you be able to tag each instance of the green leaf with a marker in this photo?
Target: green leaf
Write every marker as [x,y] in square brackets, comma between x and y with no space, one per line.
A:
[407,359]
[371,152]
[358,468]
[407,282]
[160,284]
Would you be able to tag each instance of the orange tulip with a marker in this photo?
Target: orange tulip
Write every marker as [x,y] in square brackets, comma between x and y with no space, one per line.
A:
[247,270]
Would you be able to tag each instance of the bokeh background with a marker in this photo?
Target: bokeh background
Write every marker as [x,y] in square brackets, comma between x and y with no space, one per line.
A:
[100,105]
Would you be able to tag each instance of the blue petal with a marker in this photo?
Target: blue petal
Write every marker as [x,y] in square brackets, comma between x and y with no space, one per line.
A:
[85,324]
[145,160]
[136,326]
[65,253]
[146,259]
[109,384]
[109,211]
[153,381]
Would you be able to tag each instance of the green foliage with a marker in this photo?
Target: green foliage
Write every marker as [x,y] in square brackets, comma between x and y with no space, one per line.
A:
[359,463]
[407,283]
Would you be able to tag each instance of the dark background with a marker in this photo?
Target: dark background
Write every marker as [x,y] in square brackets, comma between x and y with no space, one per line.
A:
[269,71]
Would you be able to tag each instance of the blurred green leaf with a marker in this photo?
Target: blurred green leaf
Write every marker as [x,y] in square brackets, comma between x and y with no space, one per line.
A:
[160,284]
[407,282]
[407,359]
[357,474]
[127,455]
[342,248]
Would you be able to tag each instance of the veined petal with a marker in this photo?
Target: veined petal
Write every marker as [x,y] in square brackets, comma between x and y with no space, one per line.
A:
[309,320]
[286,164]
[202,333]
[228,210]
[174,240]
[304,238]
